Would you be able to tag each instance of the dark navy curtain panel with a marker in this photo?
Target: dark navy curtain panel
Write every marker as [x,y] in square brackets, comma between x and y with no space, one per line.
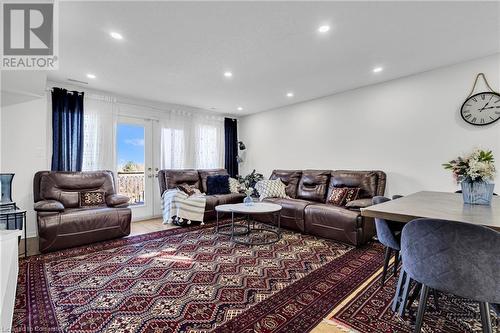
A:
[67,130]
[231,146]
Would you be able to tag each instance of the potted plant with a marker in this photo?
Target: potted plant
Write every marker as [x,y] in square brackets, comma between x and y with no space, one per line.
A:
[250,180]
[475,174]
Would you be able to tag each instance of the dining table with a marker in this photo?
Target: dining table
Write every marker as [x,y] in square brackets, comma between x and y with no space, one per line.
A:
[434,205]
[437,205]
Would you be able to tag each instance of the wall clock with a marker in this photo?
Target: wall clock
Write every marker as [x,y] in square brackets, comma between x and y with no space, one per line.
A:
[482,108]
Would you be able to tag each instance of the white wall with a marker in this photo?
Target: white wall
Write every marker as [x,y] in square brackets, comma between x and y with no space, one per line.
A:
[407,127]
[25,150]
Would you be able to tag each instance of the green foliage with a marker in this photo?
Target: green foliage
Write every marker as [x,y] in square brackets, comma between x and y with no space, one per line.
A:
[251,179]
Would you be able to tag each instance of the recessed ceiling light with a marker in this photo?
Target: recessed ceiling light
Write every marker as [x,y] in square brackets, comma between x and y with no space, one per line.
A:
[377,69]
[91,76]
[228,74]
[324,28]
[116,35]
[289,94]
[239,108]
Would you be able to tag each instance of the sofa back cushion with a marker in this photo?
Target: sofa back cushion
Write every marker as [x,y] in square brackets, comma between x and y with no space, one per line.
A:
[204,173]
[66,186]
[313,185]
[290,178]
[169,179]
[370,183]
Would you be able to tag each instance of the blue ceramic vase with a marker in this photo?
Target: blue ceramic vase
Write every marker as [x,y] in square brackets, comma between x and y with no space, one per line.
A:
[477,193]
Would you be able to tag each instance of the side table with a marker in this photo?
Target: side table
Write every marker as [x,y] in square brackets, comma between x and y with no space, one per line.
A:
[13,218]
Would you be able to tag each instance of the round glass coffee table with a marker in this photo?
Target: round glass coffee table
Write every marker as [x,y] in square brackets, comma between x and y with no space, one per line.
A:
[248,233]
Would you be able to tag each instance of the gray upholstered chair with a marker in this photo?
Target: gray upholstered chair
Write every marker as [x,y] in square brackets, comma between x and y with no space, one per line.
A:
[458,258]
[389,234]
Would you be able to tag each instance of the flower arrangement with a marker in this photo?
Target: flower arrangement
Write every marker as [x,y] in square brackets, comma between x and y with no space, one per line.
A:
[249,181]
[249,191]
[476,167]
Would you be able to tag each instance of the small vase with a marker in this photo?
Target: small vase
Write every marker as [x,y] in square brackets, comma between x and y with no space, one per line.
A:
[6,186]
[248,201]
[477,193]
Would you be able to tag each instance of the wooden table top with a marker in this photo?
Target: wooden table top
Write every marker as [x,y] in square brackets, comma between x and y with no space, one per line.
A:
[437,205]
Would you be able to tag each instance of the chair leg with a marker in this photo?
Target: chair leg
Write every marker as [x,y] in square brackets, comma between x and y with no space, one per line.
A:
[404,296]
[421,309]
[413,297]
[484,307]
[399,288]
[388,252]
[435,295]
[396,262]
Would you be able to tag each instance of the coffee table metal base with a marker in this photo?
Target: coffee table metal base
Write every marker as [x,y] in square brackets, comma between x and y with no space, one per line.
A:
[244,236]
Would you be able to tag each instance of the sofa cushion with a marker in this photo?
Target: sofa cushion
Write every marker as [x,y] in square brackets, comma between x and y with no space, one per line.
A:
[92,198]
[234,185]
[313,185]
[204,173]
[169,179]
[359,203]
[270,188]
[292,212]
[333,222]
[290,178]
[367,181]
[337,196]
[218,184]
[231,198]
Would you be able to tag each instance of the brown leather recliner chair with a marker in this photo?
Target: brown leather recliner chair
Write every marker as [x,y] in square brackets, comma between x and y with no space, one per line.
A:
[63,223]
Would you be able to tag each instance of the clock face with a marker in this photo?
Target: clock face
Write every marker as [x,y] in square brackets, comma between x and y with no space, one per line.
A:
[481,109]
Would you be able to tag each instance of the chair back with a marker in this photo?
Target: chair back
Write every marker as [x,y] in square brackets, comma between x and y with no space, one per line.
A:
[65,186]
[384,233]
[458,258]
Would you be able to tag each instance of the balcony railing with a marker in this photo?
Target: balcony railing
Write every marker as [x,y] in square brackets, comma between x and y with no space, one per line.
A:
[131,184]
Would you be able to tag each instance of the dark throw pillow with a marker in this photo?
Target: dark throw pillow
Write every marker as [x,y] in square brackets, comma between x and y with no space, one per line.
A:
[92,198]
[218,184]
[352,194]
[338,195]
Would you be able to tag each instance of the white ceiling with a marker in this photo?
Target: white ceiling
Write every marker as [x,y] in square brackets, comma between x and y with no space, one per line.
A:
[177,52]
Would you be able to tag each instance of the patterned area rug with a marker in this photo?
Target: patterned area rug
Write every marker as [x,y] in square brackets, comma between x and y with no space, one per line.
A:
[189,280]
[370,311]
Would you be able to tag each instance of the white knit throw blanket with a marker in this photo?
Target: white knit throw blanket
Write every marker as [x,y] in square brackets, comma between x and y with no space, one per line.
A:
[177,203]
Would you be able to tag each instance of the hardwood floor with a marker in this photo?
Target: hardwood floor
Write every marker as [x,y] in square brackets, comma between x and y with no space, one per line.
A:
[136,228]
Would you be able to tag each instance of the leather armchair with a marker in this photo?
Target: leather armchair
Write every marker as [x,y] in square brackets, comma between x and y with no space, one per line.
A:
[63,223]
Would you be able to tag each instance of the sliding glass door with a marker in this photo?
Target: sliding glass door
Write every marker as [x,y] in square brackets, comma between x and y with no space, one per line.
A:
[137,165]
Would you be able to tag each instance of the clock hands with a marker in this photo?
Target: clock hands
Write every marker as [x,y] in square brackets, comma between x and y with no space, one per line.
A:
[484,107]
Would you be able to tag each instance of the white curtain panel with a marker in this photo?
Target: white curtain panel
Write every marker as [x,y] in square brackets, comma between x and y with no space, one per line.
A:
[192,141]
[99,133]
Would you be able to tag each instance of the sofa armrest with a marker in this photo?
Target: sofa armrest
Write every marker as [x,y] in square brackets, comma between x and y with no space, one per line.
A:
[49,206]
[360,203]
[117,200]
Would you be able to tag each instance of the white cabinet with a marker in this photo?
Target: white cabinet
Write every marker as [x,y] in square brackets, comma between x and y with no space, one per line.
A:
[9,269]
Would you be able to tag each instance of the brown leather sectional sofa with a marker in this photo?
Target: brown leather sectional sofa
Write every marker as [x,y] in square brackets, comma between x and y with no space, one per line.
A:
[62,223]
[168,179]
[306,210]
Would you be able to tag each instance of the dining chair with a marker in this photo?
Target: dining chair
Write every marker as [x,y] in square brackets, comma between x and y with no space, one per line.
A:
[453,257]
[389,234]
